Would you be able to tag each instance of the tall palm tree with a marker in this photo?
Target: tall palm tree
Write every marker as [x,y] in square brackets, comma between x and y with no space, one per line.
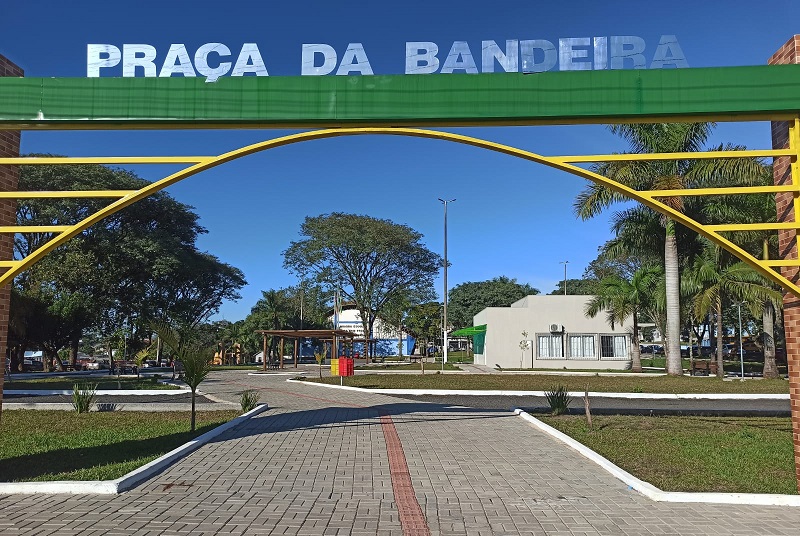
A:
[713,276]
[623,299]
[668,174]
[753,209]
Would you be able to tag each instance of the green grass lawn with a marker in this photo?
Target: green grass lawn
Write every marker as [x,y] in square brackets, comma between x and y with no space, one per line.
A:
[409,366]
[103,383]
[534,382]
[59,445]
[712,454]
[733,365]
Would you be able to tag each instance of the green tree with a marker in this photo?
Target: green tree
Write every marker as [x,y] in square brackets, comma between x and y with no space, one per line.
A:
[666,174]
[135,266]
[468,299]
[424,323]
[763,244]
[272,311]
[194,357]
[714,276]
[370,260]
[623,299]
[583,287]
[397,310]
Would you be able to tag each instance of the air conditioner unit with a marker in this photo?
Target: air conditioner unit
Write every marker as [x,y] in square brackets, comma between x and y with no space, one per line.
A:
[555,328]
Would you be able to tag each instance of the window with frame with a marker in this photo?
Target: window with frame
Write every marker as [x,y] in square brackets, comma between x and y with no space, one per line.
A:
[550,347]
[613,347]
[582,347]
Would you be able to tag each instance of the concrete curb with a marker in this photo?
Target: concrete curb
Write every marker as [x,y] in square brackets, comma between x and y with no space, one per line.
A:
[652,492]
[106,392]
[125,482]
[121,406]
[299,373]
[649,396]
[584,373]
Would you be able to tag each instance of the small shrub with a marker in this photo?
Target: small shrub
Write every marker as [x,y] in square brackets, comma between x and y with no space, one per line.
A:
[83,395]
[320,358]
[249,400]
[638,389]
[559,399]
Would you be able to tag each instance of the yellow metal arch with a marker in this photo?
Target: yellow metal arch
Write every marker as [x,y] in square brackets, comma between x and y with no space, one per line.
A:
[649,198]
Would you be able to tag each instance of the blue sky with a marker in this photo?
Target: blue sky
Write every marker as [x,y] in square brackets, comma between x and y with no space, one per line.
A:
[510,218]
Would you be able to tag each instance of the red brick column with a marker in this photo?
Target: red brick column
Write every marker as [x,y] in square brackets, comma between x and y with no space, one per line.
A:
[9,178]
[787,249]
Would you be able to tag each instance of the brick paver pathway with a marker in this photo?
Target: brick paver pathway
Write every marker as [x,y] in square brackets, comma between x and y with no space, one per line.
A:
[322,461]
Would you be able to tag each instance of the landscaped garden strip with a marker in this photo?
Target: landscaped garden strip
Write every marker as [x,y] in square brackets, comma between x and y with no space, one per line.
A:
[409,366]
[537,382]
[57,445]
[693,454]
[104,383]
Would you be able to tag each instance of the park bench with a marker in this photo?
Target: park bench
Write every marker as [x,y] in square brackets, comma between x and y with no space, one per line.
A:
[704,367]
[273,364]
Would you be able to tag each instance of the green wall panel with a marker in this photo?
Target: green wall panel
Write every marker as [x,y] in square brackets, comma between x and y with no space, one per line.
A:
[451,99]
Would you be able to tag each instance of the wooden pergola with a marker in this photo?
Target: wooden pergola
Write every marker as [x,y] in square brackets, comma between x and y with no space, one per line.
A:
[327,336]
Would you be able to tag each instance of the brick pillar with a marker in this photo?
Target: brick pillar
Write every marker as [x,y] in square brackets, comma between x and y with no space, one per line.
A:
[787,249]
[9,178]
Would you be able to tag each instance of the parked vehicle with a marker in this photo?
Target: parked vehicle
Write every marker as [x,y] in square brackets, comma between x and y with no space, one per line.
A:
[651,349]
[98,364]
[710,351]
[685,350]
[32,365]
[125,367]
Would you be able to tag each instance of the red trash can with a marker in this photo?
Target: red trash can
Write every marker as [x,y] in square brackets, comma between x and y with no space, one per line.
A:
[346,366]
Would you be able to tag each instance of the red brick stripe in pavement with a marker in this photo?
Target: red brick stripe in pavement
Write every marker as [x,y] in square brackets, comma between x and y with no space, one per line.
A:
[412,520]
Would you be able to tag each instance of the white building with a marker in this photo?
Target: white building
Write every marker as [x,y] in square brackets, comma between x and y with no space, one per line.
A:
[385,335]
[559,335]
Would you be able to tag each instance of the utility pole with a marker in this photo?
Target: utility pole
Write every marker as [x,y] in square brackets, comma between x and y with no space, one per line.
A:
[565,275]
[444,317]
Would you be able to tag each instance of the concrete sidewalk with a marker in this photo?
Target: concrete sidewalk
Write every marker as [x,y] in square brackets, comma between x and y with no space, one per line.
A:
[334,462]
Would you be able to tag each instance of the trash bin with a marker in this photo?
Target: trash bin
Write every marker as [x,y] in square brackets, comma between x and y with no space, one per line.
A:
[346,366]
[334,367]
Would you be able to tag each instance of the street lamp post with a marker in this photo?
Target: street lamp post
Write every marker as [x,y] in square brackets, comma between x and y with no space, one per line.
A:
[565,275]
[741,352]
[444,317]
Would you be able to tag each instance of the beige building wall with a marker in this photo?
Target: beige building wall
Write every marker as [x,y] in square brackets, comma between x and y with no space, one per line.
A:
[536,315]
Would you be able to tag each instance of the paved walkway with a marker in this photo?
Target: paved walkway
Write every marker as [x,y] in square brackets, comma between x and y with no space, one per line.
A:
[329,462]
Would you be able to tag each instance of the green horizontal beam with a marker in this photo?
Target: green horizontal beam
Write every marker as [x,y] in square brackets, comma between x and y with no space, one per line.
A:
[721,94]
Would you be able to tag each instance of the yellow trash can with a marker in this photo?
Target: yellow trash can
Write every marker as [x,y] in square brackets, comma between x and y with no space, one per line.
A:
[334,367]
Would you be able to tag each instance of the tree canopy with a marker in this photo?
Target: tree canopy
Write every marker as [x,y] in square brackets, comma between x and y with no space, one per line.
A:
[576,287]
[639,225]
[371,260]
[138,265]
[468,299]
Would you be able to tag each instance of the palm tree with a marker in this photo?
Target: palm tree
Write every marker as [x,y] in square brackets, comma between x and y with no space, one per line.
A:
[273,312]
[623,299]
[712,277]
[195,358]
[753,209]
[668,174]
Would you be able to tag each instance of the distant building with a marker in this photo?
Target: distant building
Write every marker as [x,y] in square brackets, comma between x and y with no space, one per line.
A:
[386,336]
[559,335]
